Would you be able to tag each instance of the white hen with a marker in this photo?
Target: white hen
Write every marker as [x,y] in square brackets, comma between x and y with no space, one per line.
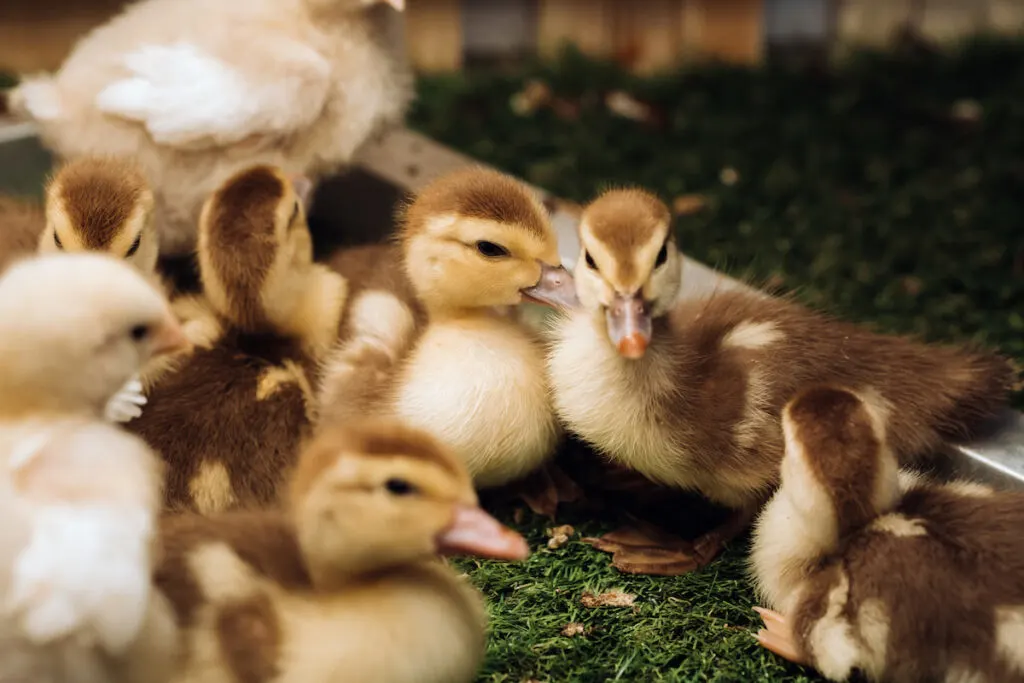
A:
[78,496]
[195,90]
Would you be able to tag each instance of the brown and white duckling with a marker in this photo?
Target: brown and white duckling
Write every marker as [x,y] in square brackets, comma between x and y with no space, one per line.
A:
[474,243]
[91,204]
[78,496]
[344,583]
[689,392]
[872,569]
[228,417]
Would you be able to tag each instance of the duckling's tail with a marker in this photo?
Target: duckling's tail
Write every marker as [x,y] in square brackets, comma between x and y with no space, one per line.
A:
[977,391]
[356,375]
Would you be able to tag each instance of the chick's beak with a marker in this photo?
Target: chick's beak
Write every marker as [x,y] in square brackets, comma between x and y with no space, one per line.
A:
[168,337]
[629,325]
[474,532]
[556,288]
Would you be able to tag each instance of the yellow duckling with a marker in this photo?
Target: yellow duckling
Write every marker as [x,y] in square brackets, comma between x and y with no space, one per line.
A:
[475,243]
[344,584]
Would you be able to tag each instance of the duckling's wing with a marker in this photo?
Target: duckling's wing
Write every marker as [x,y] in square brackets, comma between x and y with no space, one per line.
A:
[85,569]
[188,96]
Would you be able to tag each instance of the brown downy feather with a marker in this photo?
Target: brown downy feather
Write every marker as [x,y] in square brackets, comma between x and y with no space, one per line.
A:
[21,222]
[229,418]
[921,585]
[942,392]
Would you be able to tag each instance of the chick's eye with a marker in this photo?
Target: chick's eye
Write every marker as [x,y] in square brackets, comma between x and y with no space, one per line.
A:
[57,242]
[139,332]
[490,249]
[590,260]
[134,248]
[662,255]
[295,213]
[399,487]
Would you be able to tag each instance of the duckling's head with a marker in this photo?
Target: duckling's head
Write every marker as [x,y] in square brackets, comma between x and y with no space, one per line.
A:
[478,238]
[375,494]
[629,267]
[837,466]
[74,328]
[101,204]
[252,237]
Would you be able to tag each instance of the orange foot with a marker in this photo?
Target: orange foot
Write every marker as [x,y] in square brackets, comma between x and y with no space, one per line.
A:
[778,637]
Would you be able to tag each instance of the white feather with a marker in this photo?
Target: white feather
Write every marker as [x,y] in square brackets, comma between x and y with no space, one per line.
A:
[186,96]
[85,571]
[126,404]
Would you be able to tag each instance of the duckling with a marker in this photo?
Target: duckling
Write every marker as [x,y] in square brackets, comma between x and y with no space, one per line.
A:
[92,204]
[298,84]
[476,242]
[688,391]
[885,572]
[228,418]
[344,582]
[21,221]
[78,496]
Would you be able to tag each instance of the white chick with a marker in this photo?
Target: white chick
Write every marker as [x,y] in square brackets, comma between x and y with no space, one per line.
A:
[78,496]
[196,90]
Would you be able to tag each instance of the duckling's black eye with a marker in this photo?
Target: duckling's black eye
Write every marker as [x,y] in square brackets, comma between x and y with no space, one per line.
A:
[662,255]
[295,213]
[57,242]
[490,249]
[399,487]
[590,260]
[139,332]
[134,248]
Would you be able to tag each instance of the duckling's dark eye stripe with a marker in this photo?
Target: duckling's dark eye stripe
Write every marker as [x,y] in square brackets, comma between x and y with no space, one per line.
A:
[295,213]
[56,241]
[135,246]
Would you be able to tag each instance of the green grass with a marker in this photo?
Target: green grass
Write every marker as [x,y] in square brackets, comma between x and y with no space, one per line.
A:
[856,188]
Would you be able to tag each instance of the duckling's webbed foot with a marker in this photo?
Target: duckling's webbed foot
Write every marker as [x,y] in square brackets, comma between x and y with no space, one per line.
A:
[777,636]
[543,490]
[642,548]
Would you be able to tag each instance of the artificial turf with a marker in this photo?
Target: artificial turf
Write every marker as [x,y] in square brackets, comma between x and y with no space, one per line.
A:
[887,190]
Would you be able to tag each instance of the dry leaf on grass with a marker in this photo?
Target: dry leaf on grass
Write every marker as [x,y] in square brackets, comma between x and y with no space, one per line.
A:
[729,176]
[688,204]
[573,629]
[560,535]
[609,599]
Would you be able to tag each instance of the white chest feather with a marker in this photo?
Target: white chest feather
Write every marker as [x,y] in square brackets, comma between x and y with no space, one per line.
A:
[613,403]
[481,389]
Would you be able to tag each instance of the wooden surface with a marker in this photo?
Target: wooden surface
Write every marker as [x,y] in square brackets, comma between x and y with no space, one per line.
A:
[586,24]
[37,36]
[433,30]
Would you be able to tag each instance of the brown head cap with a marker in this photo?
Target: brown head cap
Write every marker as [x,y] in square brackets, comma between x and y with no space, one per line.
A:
[238,238]
[625,221]
[98,195]
[842,449]
[479,193]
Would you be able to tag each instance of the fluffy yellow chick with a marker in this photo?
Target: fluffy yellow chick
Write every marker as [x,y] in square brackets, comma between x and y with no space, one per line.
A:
[78,496]
[195,90]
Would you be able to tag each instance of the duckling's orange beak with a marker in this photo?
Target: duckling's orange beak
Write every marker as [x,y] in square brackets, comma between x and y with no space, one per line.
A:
[168,337]
[629,325]
[474,532]
[556,288]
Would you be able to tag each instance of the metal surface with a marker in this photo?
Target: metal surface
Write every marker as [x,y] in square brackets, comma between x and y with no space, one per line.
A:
[402,161]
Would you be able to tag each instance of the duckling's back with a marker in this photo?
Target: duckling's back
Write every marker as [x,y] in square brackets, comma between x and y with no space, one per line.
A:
[933,590]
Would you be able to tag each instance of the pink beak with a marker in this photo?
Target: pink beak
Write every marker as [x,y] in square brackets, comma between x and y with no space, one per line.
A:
[474,532]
